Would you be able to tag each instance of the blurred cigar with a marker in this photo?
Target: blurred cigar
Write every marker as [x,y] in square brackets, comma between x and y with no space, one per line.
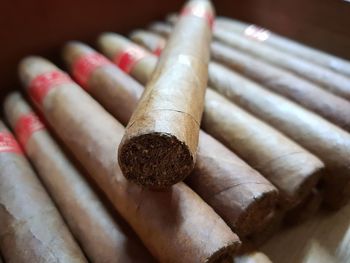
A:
[328,79]
[272,39]
[292,169]
[334,108]
[252,257]
[330,143]
[31,228]
[312,132]
[306,209]
[103,238]
[251,42]
[256,240]
[170,223]
[309,95]
[239,194]
[166,121]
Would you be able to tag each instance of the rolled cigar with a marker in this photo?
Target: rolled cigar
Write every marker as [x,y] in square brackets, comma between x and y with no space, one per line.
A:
[330,80]
[31,228]
[253,257]
[301,125]
[161,28]
[327,141]
[275,222]
[292,169]
[102,237]
[309,95]
[239,194]
[285,44]
[305,209]
[170,223]
[160,142]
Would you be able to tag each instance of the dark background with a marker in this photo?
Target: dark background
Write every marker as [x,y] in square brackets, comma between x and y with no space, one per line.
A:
[41,26]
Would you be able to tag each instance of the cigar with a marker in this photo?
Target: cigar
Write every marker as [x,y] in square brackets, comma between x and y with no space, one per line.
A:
[170,223]
[239,194]
[332,107]
[292,169]
[309,95]
[306,209]
[308,129]
[325,78]
[161,139]
[328,79]
[161,28]
[252,257]
[256,240]
[102,237]
[274,40]
[31,228]
[327,141]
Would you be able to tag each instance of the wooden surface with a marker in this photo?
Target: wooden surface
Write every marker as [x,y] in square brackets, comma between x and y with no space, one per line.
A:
[323,239]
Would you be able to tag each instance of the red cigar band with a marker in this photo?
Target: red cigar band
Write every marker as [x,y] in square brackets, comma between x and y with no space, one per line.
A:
[200,11]
[26,125]
[42,84]
[158,50]
[127,59]
[85,65]
[257,33]
[9,144]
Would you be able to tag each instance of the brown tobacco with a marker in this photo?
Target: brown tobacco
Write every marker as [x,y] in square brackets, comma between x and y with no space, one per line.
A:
[31,228]
[293,170]
[236,192]
[327,141]
[309,95]
[103,238]
[330,80]
[160,141]
[172,223]
[274,40]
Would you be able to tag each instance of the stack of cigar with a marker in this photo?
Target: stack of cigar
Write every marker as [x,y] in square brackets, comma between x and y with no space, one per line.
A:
[99,168]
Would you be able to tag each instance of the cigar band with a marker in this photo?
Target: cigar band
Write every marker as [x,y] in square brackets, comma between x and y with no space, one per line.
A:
[257,33]
[26,125]
[42,84]
[159,48]
[9,144]
[85,65]
[127,59]
[200,11]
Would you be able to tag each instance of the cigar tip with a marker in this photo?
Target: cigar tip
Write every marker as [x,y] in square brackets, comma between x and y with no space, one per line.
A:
[225,253]
[155,160]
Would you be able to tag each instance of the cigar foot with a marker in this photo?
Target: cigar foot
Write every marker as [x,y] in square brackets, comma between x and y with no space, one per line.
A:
[224,254]
[253,218]
[155,160]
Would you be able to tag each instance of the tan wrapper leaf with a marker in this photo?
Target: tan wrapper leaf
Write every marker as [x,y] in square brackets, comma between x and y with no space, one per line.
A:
[239,194]
[31,228]
[174,225]
[102,237]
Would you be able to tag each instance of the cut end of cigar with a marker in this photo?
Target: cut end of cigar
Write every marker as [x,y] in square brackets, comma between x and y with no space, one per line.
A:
[225,254]
[253,218]
[155,160]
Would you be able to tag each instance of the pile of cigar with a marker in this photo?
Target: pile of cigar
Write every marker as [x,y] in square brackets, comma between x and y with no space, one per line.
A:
[264,145]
